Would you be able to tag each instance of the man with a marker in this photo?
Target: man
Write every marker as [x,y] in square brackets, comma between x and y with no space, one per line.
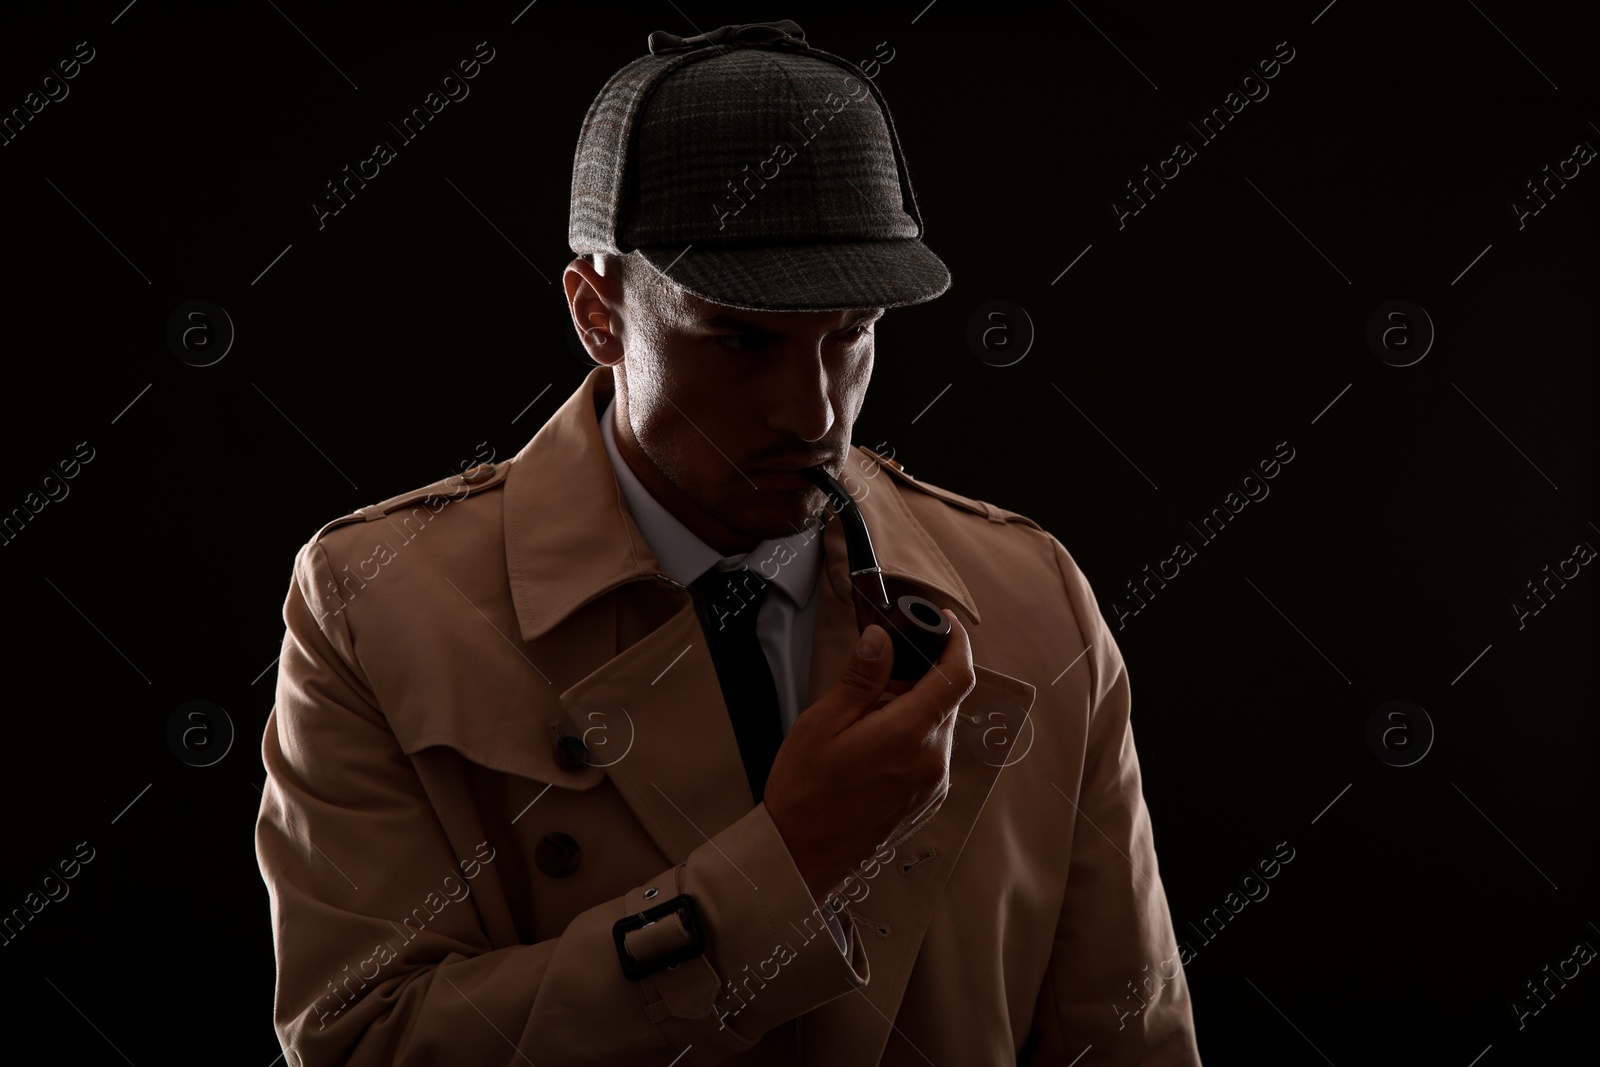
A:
[576,756]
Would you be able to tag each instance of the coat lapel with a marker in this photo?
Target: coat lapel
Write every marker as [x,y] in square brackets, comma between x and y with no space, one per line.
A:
[681,773]
[650,710]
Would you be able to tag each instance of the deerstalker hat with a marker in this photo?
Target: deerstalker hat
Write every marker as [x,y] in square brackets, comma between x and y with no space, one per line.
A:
[754,171]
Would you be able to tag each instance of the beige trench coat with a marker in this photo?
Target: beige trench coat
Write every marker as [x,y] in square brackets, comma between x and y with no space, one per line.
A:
[444,884]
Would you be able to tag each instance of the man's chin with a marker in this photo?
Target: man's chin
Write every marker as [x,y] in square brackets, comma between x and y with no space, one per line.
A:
[784,512]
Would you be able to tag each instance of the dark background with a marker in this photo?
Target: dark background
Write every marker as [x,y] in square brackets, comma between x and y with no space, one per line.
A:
[1229,315]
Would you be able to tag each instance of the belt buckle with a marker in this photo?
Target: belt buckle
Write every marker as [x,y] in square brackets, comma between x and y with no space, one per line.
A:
[634,970]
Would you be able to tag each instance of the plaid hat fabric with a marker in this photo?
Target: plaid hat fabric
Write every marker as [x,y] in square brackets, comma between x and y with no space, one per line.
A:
[753,171]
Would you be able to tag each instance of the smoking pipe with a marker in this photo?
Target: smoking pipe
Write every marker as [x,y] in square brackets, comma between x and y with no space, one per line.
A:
[915,625]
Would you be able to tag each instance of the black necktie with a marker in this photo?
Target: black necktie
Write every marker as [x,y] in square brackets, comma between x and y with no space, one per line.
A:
[730,601]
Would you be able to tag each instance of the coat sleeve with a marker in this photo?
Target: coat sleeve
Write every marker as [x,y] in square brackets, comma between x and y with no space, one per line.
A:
[380,934]
[1115,990]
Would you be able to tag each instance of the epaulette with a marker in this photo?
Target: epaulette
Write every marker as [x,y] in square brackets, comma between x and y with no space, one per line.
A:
[977,507]
[454,487]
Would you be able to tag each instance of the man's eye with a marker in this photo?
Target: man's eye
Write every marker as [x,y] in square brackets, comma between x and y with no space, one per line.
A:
[746,342]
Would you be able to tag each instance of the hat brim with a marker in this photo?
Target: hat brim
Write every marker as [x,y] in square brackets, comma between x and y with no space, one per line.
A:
[835,276]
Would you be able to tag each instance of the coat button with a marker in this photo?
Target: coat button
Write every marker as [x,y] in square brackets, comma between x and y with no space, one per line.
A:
[557,855]
[477,474]
[571,753]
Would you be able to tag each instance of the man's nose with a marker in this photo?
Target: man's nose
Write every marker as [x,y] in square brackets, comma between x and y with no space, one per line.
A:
[799,399]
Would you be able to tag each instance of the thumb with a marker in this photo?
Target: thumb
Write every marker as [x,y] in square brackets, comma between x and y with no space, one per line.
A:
[867,672]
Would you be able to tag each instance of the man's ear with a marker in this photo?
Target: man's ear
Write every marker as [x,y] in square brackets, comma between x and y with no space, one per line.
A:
[593,299]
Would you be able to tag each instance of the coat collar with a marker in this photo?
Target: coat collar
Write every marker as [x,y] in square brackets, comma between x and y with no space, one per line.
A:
[570,536]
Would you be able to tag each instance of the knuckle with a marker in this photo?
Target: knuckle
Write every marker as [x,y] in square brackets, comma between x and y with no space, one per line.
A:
[968,678]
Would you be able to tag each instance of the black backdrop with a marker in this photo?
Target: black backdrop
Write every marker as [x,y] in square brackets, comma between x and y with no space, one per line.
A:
[1186,342]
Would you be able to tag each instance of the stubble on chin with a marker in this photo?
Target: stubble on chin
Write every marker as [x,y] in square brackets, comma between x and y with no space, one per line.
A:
[772,515]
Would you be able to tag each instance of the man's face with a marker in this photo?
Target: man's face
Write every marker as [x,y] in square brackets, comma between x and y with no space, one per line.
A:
[713,400]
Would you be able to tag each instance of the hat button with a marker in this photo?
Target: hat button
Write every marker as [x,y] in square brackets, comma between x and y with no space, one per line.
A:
[557,855]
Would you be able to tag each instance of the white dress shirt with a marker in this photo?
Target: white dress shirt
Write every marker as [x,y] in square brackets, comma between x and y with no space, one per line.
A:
[792,564]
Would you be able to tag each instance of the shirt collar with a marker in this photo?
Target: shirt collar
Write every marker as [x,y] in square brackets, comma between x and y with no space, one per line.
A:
[686,557]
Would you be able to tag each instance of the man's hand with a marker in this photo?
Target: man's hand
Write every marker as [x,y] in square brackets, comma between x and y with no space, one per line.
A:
[854,775]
